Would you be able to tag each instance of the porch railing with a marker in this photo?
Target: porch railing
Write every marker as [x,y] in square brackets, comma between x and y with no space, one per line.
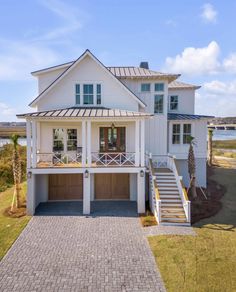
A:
[58,159]
[113,158]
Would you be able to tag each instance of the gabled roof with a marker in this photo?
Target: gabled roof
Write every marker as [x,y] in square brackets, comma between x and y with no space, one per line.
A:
[85,112]
[175,117]
[72,65]
[181,85]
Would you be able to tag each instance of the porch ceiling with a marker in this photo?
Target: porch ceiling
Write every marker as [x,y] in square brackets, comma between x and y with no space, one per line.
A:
[82,112]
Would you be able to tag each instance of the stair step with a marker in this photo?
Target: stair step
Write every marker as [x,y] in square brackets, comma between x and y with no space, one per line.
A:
[172,209]
[173,217]
[169,183]
[171,188]
[169,192]
[174,221]
[163,197]
[165,181]
[169,204]
[163,176]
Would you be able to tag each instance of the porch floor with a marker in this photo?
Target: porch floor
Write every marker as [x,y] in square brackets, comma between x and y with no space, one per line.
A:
[98,208]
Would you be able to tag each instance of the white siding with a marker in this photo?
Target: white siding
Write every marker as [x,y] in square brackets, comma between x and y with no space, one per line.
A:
[114,95]
[186,100]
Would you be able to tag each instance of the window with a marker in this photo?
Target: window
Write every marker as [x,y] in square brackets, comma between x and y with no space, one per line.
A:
[99,99]
[71,139]
[77,93]
[159,86]
[158,103]
[174,102]
[145,87]
[88,93]
[58,140]
[112,139]
[176,134]
[186,133]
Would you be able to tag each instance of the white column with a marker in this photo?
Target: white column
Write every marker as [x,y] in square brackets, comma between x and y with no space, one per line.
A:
[137,149]
[34,143]
[142,143]
[86,194]
[28,149]
[89,143]
[31,203]
[83,143]
[141,193]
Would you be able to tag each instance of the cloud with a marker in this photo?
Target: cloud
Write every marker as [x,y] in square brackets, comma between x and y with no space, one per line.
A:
[7,111]
[209,14]
[229,64]
[171,22]
[195,61]
[217,98]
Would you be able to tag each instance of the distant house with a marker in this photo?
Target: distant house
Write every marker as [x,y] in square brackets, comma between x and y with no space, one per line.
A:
[96,130]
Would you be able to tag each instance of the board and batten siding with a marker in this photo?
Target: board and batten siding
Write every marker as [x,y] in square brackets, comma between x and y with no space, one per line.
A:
[114,95]
[186,100]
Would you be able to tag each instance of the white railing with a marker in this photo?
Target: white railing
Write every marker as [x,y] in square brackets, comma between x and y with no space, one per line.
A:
[113,158]
[183,194]
[58,159]
[154,196]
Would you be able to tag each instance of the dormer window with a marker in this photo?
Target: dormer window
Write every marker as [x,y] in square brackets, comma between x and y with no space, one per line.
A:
[88,93]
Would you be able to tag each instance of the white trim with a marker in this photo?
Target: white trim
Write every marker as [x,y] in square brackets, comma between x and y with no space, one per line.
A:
[89,159]
[83,136]
[137,149]
[34,143]
[142,143]
[29,141]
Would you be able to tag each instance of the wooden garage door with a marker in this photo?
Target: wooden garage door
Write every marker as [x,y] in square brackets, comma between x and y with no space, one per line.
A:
[112,186]
[65,187]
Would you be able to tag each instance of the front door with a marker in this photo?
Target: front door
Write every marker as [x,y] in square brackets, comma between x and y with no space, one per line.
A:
[112,139]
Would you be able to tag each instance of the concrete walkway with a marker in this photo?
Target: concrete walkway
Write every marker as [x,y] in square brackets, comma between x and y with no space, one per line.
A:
[77,253]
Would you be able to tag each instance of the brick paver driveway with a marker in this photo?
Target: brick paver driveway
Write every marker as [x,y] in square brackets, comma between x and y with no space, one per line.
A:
[77,253]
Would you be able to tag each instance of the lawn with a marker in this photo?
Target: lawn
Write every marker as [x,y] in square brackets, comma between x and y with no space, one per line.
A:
[207,261]
[10,228]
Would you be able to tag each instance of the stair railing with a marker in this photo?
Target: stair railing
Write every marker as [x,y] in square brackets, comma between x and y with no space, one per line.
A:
[154,196]
[182,191]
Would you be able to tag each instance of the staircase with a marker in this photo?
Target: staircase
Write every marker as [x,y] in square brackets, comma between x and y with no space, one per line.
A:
[171,207]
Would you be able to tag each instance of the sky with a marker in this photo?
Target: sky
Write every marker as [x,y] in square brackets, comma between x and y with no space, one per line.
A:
[195,38]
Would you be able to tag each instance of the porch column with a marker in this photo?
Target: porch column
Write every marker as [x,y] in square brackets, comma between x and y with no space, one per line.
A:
[31,202]
[137,149]
[141,193]
[29,146]
[142,143]
[34,143]
[86,193]
[83,143]
[89,142]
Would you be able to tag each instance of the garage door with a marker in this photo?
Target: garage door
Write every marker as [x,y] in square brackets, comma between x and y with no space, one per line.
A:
[65,187]
[112,186]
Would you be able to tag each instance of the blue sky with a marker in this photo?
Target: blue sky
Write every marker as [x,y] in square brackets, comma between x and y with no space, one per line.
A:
[194,38]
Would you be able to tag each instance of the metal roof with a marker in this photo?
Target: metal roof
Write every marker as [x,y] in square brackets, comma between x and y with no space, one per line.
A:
[82,112]
[181,85]
[172,116]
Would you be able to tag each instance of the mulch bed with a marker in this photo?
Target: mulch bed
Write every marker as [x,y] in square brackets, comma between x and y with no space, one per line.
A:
[15,213]
[202,208]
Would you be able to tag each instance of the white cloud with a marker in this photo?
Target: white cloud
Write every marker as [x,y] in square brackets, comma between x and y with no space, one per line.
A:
[219,88]
[195,61]
[7,111]
[229,64]
[209,14]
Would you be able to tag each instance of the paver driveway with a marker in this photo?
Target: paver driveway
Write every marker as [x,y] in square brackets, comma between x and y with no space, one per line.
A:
[77,253]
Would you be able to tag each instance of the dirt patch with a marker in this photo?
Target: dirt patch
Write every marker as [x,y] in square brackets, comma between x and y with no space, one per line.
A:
[202,208]
[15,213]
[148,219]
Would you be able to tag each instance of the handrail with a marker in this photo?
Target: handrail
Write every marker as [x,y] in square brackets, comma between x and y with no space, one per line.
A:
[184,190]
[157,194]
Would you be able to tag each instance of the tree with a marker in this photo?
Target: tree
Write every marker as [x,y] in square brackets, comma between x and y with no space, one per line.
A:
[192,168]
[210,135]
[16,167]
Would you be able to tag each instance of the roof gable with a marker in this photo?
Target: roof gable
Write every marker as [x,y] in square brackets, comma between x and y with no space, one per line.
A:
[71,66]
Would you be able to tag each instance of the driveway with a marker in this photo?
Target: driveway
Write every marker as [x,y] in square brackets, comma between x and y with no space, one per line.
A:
[77,253]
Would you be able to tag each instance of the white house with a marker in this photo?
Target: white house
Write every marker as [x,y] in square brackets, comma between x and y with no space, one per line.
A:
[96,131]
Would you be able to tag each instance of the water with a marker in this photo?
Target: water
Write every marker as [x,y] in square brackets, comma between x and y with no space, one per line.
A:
[3,141]
[224,135]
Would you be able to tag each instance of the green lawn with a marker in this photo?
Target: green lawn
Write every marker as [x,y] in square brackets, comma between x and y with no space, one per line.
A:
[10,228]
[206,262]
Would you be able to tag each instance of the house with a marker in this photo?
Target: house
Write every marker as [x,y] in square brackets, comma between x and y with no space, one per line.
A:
[96,131]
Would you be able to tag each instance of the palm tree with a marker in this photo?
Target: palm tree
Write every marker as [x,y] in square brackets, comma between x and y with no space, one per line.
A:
[16,167]
[210,135]
[192,168]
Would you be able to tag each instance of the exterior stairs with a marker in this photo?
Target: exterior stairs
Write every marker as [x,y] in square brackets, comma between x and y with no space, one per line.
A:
[171,208]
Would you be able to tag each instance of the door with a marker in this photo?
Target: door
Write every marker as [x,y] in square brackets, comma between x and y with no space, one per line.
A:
[112,186]
[65,187]
[112,139]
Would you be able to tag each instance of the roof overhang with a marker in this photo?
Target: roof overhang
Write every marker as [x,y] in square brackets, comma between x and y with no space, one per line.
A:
[184,117]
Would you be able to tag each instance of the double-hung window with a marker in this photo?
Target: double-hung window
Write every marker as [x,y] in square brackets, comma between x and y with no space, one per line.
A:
[58,140]
[88,93]
[145,87]
[71,139]
[159,87]
[176,134]
[77,93]
[187,133]
[158,103]
[174,100]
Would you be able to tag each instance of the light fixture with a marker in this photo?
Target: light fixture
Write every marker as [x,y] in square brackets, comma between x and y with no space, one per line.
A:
[141,173]
[29,174]
[86,173]
[112,126]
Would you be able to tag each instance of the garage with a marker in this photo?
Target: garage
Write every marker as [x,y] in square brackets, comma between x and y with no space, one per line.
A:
[65,187]
[112,186]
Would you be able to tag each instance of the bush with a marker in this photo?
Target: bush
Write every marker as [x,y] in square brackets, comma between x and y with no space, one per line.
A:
[6,173]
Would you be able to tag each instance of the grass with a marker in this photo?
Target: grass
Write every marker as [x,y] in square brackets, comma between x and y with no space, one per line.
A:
[225,144]
[148,219]
[227,154]
[206,262]
[10,228]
